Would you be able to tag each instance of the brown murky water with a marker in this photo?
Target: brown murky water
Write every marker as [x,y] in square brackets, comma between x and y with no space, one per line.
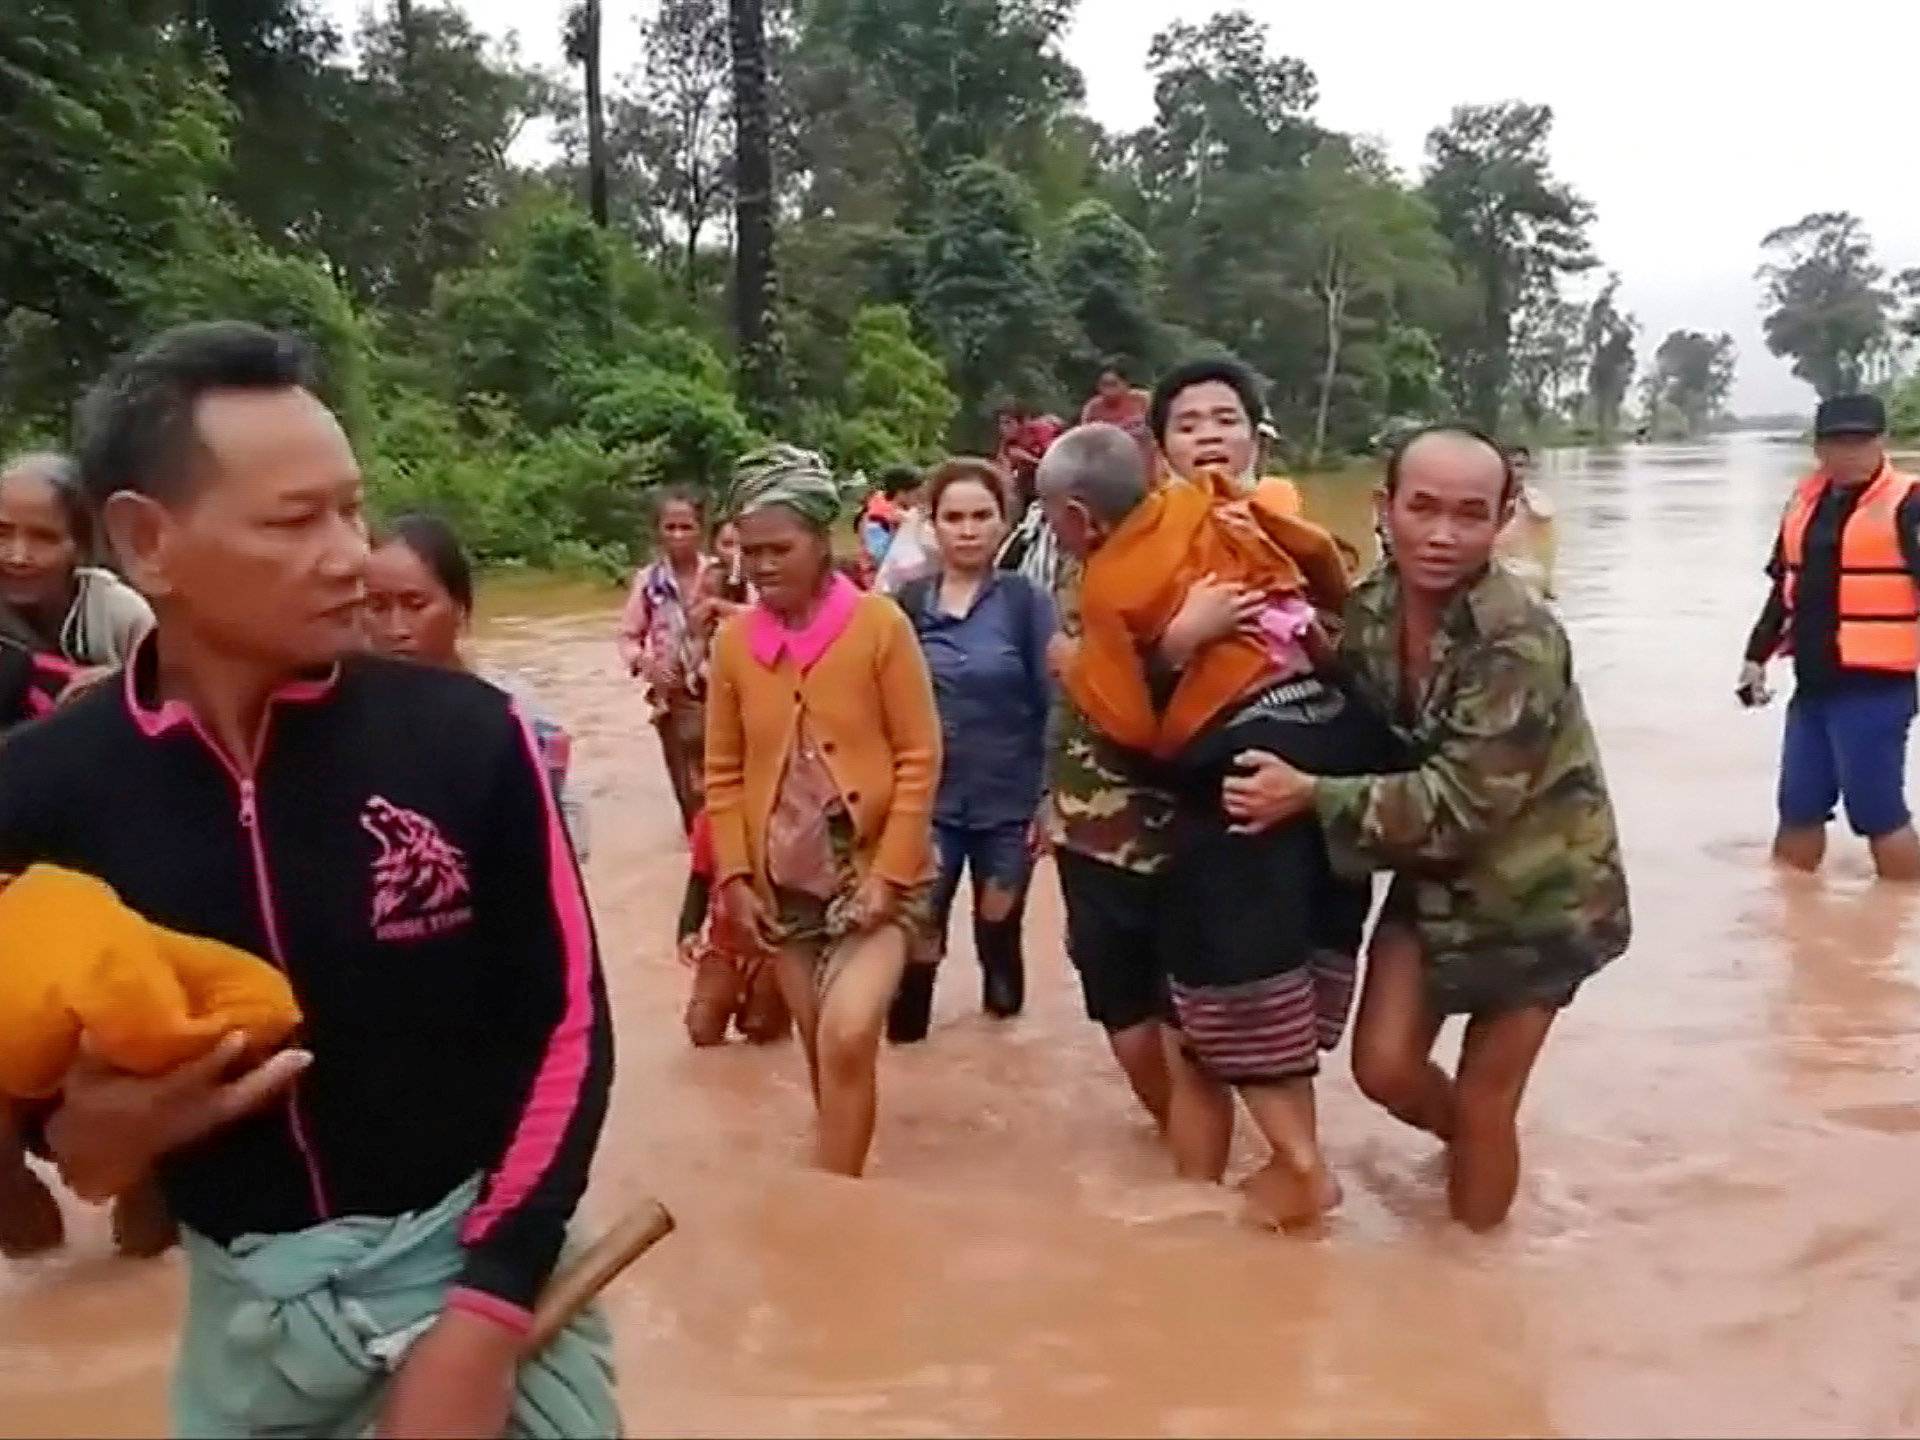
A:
[1717,1232]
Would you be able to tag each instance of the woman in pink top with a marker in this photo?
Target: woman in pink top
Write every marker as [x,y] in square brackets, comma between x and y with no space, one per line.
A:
[663,641]
[823,748]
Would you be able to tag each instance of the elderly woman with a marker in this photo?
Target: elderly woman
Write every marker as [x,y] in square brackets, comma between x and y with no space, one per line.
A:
[52,602]
[662,639]
[823,752]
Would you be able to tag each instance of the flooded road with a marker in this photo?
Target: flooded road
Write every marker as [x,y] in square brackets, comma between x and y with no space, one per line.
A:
[1717,1232]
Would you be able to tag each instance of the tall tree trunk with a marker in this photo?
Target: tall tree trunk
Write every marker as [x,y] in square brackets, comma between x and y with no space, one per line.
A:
[596,113]
[1496,355]
[753,258]
[403,18]
[1333,294]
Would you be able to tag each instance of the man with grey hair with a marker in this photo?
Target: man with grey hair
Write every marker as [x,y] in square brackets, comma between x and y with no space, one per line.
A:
[1092,472]
[1107,824]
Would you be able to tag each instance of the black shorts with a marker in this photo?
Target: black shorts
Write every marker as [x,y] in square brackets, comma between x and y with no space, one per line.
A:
[1113,939]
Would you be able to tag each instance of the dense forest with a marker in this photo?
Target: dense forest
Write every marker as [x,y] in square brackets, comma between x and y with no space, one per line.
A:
[862,224]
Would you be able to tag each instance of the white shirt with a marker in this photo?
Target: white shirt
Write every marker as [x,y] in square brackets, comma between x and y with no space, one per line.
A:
[911,556]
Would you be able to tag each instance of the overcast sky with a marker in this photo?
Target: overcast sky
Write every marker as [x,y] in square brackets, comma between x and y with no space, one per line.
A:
[1693,126]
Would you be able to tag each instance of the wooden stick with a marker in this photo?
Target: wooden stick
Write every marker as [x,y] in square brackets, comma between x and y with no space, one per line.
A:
[585,1277]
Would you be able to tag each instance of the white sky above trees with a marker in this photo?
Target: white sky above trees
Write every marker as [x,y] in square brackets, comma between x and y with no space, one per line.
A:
[1693,126]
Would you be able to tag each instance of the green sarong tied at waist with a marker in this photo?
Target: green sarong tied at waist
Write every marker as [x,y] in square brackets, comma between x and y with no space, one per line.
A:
[299,1334]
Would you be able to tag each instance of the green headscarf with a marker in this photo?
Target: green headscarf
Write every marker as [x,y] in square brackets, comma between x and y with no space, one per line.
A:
[782,474]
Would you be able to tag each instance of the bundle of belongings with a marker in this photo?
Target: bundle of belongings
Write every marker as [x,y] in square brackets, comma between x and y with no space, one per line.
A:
[74,959]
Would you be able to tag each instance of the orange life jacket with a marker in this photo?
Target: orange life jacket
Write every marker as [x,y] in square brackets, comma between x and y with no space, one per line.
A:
[1879,601]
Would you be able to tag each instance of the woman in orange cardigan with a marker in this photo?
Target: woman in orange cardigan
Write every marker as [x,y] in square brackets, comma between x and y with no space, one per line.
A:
[823,754]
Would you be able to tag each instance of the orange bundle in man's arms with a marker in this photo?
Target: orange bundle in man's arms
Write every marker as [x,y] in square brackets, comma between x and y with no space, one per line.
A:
[74,959]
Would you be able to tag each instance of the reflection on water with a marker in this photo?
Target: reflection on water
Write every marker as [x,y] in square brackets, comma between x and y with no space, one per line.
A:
[1716,1226]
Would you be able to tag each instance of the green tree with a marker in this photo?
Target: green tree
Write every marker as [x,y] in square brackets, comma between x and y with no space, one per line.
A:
[1514,228]
[828,270]
[438,110]
[560,299]
[1692,377]
[111,141]
[1609,341]
[1104,272]
[567,498]
[1414,377]
[222,269]
[674,134]
[845,138]
[984,293]
[1222,104]
[1219,177]
[1549,358]
[1906,288]
[694,430]
[974,76]
[1903,413]
[896,405]
[756,341]
[1830,309]
[581,41]
[1364,243]
[298,147]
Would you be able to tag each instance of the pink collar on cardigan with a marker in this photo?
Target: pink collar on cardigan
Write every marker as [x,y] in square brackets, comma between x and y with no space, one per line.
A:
[768,634]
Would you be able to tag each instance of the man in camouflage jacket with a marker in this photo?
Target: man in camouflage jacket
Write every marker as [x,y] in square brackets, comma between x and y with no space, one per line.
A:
[1509,890]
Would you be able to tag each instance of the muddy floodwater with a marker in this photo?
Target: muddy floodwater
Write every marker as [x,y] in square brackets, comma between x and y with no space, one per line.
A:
[1718,1231]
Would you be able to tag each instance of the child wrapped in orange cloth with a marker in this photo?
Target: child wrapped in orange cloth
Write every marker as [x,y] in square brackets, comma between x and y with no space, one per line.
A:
[74,959]
[1137,579]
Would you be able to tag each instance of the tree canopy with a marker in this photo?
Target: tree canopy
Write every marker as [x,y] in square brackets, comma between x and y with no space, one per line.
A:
[1691,378]
[858,223]
[1830,311]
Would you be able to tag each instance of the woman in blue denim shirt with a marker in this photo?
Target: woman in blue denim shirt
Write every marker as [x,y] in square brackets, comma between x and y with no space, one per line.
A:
[984,633]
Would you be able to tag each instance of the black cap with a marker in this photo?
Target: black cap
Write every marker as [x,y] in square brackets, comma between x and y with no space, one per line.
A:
[1850,415]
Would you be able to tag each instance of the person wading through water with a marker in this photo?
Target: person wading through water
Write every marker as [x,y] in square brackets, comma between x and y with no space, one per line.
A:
[1845,603]
[396,1191]
[985,635]
[1509,892]
[663,642]
[420,607]
[823,752]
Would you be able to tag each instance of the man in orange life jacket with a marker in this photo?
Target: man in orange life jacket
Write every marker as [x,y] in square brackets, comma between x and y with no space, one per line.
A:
[1845,604]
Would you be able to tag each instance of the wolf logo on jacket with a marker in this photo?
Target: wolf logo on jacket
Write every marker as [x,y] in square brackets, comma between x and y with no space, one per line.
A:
[417,872]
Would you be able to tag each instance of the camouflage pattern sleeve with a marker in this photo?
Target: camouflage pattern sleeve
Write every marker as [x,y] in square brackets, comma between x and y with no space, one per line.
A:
[1486,742]
[1096,805]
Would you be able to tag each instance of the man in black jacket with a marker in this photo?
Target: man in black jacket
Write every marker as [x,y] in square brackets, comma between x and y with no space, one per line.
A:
[383,832]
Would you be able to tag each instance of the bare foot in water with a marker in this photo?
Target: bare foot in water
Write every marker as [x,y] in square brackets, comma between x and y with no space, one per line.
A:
[1282,1198]
[142,1228]
[30,1219]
